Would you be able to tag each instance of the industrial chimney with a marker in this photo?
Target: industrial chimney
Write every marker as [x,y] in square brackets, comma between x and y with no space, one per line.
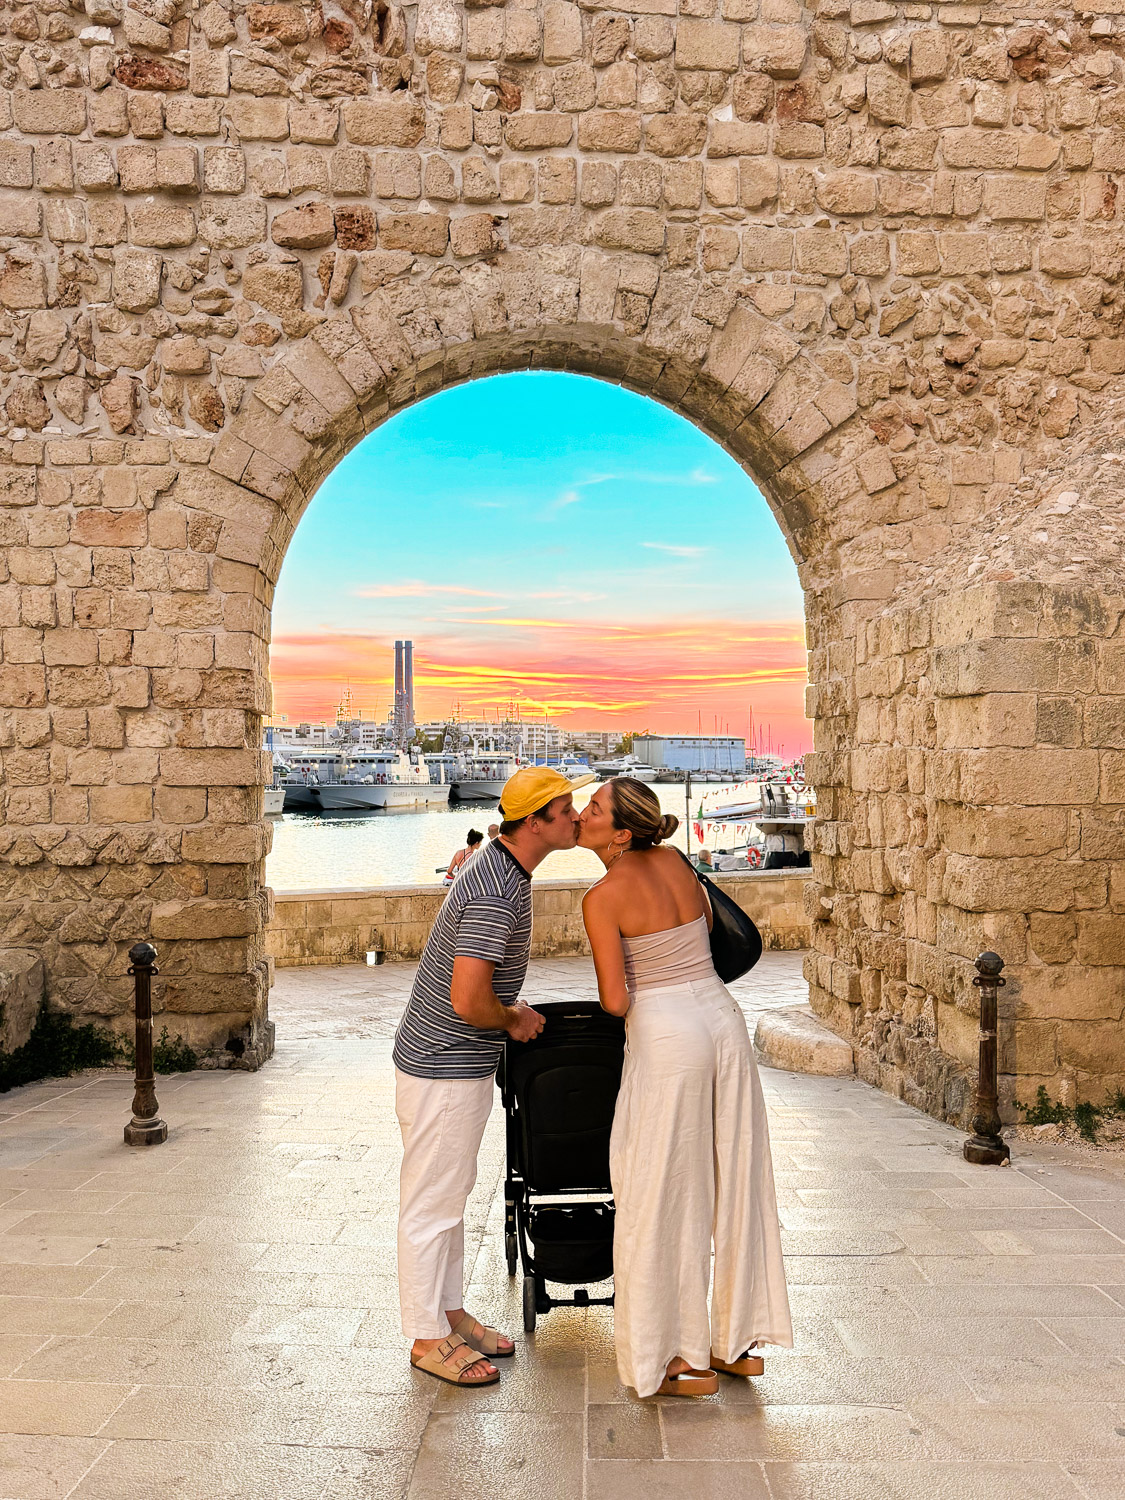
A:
[399,716]
[408,685]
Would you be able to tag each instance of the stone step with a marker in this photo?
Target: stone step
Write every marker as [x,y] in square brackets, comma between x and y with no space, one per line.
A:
[797,1042]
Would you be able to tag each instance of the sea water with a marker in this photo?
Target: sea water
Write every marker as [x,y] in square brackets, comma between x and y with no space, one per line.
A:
[355,850]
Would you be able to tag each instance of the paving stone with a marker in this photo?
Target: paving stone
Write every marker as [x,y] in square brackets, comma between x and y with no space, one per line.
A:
[239,1282]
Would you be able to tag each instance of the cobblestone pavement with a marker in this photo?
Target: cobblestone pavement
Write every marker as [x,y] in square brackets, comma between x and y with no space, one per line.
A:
[215,1319]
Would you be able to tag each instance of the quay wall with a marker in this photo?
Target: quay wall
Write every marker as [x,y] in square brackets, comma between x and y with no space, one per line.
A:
[339,927]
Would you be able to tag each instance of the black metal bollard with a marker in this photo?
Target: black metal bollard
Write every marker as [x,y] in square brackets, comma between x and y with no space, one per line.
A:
[986,1146]
[146,1128]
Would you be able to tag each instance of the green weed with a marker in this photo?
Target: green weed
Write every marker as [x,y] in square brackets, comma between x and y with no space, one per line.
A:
[56,1048]
[172,1055]
[1086,1116]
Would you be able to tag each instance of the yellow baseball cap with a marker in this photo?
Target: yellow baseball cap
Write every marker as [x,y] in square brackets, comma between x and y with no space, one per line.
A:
[530,789]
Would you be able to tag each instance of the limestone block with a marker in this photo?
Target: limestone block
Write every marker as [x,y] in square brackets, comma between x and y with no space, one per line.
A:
[521,35]
[610,130]
[736,138]
[23,286]
[929,56]
[22,992]
[395,121]
[231,224]
[712,45]
[162,225]
[259,119]
[562,33]
[777,50]
[224,169]
[15,165]
[355,228]
[306,228]
[475,234]
[278,289]
[136,280]
[847,193]
[795,1041]
[177,170]
[314,122]
[288,23]
[888,96]
[424,234]
[209,72]
[49,111]
[630,229]
[538,132]
[21,217]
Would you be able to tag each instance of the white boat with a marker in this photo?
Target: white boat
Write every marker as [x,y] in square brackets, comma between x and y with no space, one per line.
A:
[303,770]
[379,779]
[483,774]
[625,765]
[274,800]
[577,772]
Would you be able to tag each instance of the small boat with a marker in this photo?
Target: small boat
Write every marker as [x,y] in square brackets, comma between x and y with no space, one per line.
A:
[577,772]
[625,765]
[274,803]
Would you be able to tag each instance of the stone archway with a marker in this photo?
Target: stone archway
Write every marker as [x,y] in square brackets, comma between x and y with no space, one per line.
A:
[877,256]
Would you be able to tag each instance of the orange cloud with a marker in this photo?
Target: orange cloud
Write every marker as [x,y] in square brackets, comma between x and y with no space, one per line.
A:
[586,674]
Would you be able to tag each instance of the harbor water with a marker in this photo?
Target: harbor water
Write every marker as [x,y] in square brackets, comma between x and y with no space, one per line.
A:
[353,851]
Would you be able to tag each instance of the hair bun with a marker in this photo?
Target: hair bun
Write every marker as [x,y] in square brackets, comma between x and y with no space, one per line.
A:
[668,825]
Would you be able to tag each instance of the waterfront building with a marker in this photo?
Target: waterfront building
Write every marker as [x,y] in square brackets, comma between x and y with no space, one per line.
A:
[691,752]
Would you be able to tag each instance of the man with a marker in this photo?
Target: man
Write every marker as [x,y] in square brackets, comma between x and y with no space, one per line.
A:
[464,1003]
[493,832]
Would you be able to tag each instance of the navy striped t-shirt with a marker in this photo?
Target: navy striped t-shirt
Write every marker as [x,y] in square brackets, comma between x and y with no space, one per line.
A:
[487,914]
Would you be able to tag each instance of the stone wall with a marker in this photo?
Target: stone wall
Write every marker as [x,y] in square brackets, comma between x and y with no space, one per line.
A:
[875,250]
[334,927]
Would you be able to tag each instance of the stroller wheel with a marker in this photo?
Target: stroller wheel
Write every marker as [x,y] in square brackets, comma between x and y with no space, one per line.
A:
[511,1250]
[529,1300]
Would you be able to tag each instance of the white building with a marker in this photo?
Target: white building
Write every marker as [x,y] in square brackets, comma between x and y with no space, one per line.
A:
[691,752]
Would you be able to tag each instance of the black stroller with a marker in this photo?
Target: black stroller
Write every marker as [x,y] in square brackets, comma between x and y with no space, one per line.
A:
[559,1093]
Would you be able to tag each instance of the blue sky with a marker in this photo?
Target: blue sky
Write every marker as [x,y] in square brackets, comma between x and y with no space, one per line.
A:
[548,537]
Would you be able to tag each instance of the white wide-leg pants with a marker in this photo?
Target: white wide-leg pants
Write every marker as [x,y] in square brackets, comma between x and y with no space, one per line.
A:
[442,1121]
[691,1170]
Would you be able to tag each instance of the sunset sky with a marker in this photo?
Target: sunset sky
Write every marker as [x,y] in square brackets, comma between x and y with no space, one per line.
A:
[548,539]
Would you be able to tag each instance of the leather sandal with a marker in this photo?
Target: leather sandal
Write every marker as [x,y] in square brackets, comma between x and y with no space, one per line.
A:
[486,1339]
[451,1362]
[746,1364]
[690,1383]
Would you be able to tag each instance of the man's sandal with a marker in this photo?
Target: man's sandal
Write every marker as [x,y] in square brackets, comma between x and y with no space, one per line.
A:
[486,1339]
[690,1383]
[746,1364]
[451,1361]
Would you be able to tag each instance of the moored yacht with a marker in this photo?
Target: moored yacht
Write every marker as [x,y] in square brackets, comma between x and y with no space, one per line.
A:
[383,778]
[624,765]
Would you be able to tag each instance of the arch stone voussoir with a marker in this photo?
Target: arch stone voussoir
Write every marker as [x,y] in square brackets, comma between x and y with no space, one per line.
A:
[877,258]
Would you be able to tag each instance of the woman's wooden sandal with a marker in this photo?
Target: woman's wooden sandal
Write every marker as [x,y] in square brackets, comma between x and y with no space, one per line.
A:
[451,1361]
[690,1383]
[746,1364]
[486,1339]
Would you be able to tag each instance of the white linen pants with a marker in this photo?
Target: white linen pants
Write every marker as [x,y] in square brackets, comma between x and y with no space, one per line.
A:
[442,1121]
[691,1168]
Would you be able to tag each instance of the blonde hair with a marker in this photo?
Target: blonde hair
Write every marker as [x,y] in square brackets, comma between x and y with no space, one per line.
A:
[635,808]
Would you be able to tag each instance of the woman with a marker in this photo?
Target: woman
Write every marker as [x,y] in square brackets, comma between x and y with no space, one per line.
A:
[689,1155]
[473,842]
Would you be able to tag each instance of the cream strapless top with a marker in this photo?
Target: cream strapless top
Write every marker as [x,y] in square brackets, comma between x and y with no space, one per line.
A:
[677,955]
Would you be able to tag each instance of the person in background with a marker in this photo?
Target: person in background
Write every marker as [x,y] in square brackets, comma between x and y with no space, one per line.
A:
[473,841]
[493,831]
[703,860]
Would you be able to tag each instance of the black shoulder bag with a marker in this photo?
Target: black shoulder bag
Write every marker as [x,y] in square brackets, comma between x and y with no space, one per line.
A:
[736,944]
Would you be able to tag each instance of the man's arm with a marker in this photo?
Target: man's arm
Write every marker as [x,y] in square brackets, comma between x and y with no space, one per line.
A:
[473,998]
